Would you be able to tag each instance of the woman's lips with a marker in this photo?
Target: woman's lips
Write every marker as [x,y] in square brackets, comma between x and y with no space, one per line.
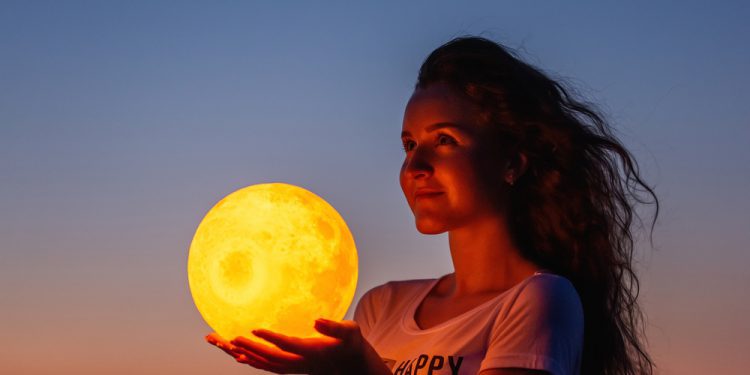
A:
[427,195]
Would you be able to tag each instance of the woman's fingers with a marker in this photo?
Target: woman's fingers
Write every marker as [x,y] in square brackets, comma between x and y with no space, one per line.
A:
[241,355]
[285,343]
[218,341]
[257,361]
[266,351]
[238,352]
[232,353]
[214,337]
[341,330]
[269,359]
[271,367]
[227,348]
[296,345]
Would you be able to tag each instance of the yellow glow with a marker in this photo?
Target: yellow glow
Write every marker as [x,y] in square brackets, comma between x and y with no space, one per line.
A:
[272,256]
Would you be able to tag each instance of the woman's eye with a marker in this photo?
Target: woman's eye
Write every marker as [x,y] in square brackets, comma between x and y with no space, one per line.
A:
[442,140]
[407,145]
[445,140]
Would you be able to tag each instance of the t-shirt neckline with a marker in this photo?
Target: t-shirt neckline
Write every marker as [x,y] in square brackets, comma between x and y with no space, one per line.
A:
[409,324]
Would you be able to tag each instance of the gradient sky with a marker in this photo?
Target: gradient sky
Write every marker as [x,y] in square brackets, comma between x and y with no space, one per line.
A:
[122,123]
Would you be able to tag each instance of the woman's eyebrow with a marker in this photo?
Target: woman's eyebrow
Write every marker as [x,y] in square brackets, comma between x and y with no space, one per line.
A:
[439,125]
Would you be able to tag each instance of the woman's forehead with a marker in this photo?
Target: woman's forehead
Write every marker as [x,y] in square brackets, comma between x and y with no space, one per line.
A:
[438,104]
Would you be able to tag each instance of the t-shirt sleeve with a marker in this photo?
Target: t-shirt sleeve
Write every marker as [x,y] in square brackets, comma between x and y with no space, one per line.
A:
[542,329]
[368,309]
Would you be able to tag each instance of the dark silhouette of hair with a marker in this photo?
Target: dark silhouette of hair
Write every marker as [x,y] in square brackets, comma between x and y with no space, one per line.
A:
[572,210]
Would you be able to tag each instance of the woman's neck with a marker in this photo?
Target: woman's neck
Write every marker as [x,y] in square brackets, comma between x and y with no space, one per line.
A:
[485,259]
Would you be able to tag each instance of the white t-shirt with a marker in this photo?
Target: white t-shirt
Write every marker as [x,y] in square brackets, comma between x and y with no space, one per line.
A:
[536,324]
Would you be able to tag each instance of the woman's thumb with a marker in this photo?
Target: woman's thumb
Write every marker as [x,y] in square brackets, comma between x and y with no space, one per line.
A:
[339,330]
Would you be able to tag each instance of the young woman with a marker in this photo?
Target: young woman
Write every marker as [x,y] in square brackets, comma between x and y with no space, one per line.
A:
[537,197]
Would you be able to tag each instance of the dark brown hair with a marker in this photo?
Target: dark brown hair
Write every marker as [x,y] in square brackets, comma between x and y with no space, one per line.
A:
[572,211]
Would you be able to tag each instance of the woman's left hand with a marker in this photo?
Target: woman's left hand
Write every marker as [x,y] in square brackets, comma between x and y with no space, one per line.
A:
[340,351]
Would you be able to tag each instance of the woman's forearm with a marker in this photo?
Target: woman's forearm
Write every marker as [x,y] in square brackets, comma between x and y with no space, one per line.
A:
[364,361]
[373,363]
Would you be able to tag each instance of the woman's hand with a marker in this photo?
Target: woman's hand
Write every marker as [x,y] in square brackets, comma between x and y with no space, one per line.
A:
[342,350]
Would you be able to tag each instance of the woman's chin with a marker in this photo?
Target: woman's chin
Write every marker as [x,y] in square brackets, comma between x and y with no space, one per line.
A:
[426,226]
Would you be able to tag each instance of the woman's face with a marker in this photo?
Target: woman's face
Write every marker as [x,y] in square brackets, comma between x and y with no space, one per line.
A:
[451,175]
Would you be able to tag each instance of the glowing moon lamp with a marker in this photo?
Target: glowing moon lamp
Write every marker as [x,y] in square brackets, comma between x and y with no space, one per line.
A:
[272,256]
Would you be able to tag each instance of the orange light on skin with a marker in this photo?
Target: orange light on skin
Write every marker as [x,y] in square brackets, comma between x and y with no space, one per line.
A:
[272,256]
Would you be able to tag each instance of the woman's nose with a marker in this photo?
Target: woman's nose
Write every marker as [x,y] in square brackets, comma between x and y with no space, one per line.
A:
[418,165]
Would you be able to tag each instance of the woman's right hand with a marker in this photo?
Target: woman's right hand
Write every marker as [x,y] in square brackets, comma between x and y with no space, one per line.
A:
[342,351]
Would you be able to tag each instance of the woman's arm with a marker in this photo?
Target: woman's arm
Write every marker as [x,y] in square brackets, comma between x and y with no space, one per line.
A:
[373,363]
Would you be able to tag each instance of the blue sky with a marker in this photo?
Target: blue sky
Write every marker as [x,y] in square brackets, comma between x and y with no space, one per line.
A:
[122,123]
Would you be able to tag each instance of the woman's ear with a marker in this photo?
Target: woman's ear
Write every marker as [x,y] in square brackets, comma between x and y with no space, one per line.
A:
[515,167]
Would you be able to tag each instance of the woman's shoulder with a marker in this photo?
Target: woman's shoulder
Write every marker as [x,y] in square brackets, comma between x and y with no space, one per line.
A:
[549,282]
[549,292]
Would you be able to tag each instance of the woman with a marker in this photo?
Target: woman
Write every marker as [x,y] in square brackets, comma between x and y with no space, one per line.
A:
[537,197]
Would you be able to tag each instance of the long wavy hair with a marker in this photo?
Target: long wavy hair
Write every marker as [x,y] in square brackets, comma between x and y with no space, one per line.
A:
[572,210]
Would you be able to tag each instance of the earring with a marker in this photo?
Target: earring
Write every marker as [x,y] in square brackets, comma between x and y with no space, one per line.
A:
[509,179]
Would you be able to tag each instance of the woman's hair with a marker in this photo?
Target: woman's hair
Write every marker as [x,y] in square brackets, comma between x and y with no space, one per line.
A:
[572,210]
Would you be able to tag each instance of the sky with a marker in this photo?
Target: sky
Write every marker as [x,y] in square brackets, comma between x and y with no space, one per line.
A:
[122,123]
